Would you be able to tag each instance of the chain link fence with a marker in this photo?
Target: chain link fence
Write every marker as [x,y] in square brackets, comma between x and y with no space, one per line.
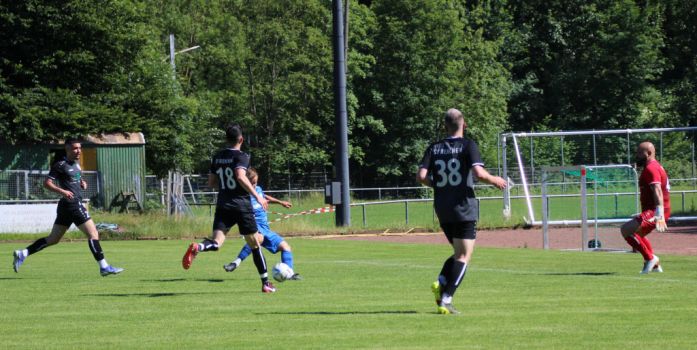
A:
[26,185]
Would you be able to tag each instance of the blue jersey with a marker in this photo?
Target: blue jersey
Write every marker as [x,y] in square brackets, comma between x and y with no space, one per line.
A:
[259,213]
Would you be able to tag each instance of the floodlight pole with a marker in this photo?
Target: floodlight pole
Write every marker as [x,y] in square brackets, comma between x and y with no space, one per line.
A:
[343,213]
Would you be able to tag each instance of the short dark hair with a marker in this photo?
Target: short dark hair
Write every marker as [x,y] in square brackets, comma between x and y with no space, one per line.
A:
[252,173]
[71,140]
[453,119]
[233,133]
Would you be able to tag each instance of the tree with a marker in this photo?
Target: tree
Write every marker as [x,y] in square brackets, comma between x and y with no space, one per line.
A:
[583,65]
[429,57]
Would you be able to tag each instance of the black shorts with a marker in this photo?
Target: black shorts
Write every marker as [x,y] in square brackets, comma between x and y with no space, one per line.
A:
[460,230]
[69,213]
[226,218]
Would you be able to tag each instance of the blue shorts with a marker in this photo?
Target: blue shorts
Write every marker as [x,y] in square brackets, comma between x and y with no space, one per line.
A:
[271,240]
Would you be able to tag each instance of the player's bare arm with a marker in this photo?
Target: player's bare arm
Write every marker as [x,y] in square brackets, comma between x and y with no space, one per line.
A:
[483,174]
[49,185]
[278,201]
[242,179]
[83,184]
[213,181]
[659,215]
[422,177]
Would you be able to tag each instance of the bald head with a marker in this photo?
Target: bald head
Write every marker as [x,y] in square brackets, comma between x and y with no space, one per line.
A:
[645,152]
[648,147]
[454,121]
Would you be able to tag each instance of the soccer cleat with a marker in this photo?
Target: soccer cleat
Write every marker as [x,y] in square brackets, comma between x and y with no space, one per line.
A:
[18,260]
[435,288]
[295,277]
[267,287]
[230,267]
[649,265]
[110,270]
[657,268]
[190,255]
[447,309]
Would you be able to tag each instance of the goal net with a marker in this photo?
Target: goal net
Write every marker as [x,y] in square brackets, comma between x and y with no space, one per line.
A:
[608,156]
[595,198]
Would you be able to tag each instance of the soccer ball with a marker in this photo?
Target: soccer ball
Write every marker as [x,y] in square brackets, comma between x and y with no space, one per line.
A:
[281,272]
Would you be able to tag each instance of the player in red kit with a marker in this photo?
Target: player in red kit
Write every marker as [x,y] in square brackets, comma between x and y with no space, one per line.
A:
[655,206]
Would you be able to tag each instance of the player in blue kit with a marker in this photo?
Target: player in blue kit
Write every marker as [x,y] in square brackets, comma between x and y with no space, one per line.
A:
[65,178]
[270,240]
[451,166]
[228,173]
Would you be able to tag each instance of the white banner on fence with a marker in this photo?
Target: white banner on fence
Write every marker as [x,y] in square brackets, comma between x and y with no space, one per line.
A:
[27,218]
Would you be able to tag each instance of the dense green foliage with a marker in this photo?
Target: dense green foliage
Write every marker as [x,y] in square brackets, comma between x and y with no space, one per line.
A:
[78,67]
[355,295]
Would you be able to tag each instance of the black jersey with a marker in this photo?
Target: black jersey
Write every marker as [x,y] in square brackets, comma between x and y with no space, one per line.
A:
[231,195]
[67,174]
[449,163]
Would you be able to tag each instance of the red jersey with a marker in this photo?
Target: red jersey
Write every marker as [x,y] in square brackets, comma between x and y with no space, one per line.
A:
[653,173]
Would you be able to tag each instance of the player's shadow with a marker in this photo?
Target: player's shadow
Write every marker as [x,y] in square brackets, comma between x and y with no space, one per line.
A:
[165,280]
[138,295]
[579,273]
[382,312]
[211,280]
[10,278]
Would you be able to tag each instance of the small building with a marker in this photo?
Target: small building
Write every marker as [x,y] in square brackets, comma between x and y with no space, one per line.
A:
[112,164]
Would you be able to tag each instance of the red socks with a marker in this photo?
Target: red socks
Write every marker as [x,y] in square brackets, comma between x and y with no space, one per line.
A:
[640,244]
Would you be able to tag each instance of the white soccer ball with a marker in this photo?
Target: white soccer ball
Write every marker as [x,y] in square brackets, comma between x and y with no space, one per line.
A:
[281,272]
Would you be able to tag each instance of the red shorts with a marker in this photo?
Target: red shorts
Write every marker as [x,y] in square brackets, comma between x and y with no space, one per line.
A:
[646,226]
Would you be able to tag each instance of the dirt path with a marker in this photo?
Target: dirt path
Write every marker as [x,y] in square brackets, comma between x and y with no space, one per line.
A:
[678,240]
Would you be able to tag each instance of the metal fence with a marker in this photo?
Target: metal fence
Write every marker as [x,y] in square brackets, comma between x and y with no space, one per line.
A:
[27,185]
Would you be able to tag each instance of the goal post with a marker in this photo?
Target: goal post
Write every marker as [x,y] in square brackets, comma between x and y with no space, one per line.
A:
[523,154]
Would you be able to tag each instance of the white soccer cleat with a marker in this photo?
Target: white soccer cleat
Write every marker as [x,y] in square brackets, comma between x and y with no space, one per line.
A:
[657,268]
[649,265]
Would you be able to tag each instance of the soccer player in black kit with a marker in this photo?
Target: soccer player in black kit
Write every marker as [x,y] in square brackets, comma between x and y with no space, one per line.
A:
[228,173]
[65,178]
[451,166]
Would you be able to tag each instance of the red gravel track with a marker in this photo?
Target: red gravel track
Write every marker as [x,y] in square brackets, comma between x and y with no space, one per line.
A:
[680,240]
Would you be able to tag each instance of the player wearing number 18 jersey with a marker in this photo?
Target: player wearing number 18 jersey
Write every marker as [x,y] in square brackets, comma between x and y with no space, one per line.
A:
[228,173]
[450,166]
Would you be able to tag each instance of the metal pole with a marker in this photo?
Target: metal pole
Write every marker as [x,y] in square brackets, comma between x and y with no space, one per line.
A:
[694,184]
[563,175]
[584,211]
[532,161]
[343,213]
[364,220]
[498,156]
[629,151]
[545,214]
[507,190]
[523,180]
[595,157]
[171,52]
[406,213]
[595,204]
[346,34]
[26,185]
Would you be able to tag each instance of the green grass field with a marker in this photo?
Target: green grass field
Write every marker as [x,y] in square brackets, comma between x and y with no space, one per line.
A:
[355,295]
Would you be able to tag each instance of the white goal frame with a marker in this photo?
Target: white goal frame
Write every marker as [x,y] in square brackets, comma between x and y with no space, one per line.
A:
[584,221]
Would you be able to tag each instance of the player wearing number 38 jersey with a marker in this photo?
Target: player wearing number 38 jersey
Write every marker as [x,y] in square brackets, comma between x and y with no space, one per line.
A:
[228,174]
[451,166]
[449,162]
